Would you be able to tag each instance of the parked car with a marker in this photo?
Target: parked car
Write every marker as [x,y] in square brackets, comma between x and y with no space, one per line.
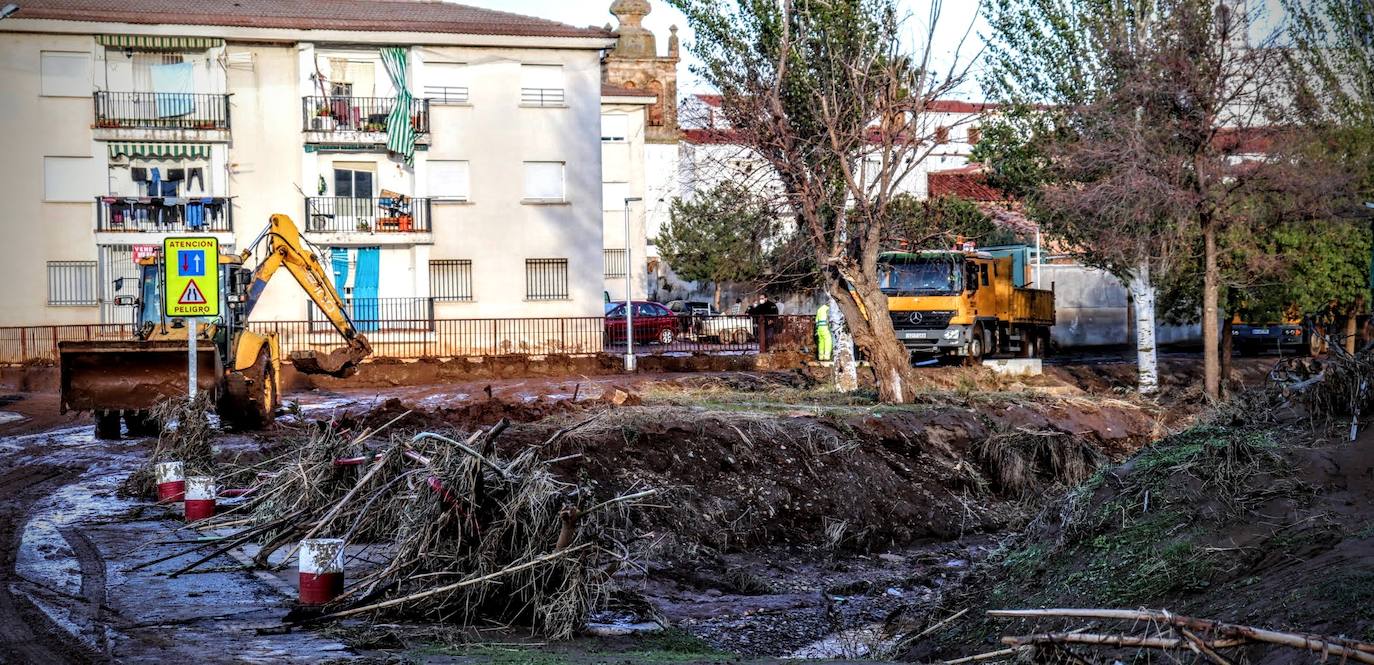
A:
[732,329]
[653,323]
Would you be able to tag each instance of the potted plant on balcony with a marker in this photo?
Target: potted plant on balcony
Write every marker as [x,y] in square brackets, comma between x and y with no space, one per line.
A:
[323,120]
[363,227]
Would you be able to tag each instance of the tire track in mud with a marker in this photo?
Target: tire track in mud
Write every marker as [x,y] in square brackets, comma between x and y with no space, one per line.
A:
[92,583]
[27,635]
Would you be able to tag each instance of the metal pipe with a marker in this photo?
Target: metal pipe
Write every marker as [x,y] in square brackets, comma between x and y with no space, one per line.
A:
[629,294]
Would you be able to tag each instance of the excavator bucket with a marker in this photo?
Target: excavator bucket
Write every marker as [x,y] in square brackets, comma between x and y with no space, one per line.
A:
[131,375]
[341,362]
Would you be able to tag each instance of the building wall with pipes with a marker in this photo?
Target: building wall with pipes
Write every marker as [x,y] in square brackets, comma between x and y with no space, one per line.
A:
[81,147]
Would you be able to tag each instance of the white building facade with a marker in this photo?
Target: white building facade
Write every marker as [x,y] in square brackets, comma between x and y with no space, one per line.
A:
[129,125]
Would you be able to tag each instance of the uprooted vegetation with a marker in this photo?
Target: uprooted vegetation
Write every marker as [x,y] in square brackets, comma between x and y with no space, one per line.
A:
[184,435]
[1261,515]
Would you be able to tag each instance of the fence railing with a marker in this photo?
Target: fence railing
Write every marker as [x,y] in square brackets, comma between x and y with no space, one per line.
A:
[371,314]
[449,338]
[358,114]
[142,214]
[161,110]
[29,344]
[542,97]
[345,214]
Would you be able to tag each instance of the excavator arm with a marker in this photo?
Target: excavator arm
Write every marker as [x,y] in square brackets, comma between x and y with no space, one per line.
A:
[285,249]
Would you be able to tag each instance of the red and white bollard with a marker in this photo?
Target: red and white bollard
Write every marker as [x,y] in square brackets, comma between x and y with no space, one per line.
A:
[200,498]
[321,570]
[171,484]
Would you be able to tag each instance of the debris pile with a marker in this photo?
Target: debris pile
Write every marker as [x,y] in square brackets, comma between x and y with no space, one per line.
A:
[184,435]
[462,532]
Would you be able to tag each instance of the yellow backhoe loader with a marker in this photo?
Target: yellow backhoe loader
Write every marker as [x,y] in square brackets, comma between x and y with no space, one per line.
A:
[240,368]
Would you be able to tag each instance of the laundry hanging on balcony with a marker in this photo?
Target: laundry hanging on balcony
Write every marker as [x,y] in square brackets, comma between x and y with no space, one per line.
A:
[175,86]
[400,134]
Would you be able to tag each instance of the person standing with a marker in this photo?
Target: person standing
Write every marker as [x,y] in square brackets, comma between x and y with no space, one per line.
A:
[823,341]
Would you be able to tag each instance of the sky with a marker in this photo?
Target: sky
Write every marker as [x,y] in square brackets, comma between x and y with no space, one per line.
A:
[955,18]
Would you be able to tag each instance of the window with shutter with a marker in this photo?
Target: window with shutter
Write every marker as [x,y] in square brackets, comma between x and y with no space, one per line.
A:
[446,83]
[65,74]
[541,85]
[448,180]
[615,127]
[544,181]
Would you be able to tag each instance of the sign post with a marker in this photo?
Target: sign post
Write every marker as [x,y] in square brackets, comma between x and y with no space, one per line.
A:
[191,273]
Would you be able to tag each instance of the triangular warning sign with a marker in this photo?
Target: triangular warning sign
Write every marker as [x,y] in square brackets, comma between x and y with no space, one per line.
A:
[192,295]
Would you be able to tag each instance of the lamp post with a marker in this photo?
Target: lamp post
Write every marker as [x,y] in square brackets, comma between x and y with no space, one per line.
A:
[629,295]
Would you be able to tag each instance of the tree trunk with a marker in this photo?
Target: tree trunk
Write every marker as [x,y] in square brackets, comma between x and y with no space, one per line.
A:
[1227,348]
[874,335]
[1351,330]
[843,367]
[717,298]
[1146,358]
[1211,279]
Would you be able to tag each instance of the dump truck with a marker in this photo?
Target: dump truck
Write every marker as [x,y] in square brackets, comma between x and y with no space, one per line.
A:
[239,368]
[969,304]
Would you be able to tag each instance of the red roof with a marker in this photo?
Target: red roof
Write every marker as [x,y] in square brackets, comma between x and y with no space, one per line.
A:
[704,136]
[359,15]
[934,106]
[967,182]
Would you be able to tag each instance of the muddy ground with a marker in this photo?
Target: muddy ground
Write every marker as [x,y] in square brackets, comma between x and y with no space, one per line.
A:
[796,522]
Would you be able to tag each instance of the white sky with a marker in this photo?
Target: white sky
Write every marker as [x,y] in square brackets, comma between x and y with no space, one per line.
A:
[955,18]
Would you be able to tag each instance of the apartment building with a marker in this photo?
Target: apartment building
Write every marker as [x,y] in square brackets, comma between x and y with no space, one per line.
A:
[446,160]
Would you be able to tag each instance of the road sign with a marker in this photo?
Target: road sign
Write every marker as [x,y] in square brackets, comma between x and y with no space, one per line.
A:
[192,276]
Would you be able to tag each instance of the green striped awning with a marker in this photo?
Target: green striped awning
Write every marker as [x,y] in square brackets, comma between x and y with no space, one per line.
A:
[158,43]
[160,150]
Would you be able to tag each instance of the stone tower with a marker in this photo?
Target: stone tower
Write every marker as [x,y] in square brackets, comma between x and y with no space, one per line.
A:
[635,63]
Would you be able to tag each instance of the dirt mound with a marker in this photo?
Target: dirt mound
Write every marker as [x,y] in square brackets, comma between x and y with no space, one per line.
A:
[1269,526]
[467,416]
[858,479]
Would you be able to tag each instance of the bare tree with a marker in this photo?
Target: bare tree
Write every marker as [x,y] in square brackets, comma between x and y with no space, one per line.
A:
[825,93]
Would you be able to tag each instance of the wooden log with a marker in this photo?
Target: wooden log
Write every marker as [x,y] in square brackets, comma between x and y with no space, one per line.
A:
[1112,640]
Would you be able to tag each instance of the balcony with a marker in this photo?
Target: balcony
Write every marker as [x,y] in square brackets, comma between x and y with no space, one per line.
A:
[161,116]
[357,120]
[152,214]
[401,219]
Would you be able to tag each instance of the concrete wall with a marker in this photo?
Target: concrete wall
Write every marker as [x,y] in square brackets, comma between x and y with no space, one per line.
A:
[1092,308]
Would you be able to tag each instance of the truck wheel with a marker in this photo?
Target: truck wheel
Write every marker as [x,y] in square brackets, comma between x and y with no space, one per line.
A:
[975,347]
[107,425]
[1030,344]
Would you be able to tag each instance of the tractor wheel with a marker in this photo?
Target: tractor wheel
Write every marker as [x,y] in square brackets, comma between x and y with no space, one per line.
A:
[107,425]
[251,395]
[141,424]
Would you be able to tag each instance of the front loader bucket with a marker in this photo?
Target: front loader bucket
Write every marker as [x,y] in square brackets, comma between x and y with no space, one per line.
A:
[131,375]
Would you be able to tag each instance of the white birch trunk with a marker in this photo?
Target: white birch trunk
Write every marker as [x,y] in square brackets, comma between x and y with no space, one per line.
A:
[1143,293]
[842,351]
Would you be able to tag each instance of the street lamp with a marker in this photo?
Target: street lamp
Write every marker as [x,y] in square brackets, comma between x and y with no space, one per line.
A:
[629,295]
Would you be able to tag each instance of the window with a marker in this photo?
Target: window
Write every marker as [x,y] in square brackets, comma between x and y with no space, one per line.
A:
[983,269]
[544,181]
[541,85]
[546,279]
[354,180]
[448,180]
[450,279]
[942,134]
[613,195]
[975,134]
[615,127]
[72,179]
[616,265]
[66,74]
[446,82]
[71,283]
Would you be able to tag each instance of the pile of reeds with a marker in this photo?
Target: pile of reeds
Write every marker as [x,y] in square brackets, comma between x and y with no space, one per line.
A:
[454,530]
[184,435]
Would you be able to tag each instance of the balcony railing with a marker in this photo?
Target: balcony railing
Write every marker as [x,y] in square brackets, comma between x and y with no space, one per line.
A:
[152,214]
[542,97]
[358,114]
[370,314]
[161,110]
[343,214]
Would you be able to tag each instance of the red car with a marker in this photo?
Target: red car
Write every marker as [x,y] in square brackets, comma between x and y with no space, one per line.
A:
[653,323]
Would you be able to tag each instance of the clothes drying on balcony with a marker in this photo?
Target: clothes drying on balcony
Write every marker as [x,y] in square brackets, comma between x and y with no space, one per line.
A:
[174,85]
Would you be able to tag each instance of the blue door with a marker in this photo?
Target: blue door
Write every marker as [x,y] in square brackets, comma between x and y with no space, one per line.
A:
[366,307]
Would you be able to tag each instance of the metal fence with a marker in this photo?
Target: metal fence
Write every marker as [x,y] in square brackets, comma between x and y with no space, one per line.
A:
[161,110]
[19,345]
[151,214]
[449,338]
[542,96]
[346,214]
[358,114]
[371,314]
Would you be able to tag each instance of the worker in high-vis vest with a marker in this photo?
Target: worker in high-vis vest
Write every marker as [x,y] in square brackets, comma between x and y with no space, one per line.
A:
[823,341]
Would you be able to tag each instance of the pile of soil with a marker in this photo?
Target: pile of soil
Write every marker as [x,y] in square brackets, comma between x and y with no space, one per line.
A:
[857,479]
[467,416]
[1269,526]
